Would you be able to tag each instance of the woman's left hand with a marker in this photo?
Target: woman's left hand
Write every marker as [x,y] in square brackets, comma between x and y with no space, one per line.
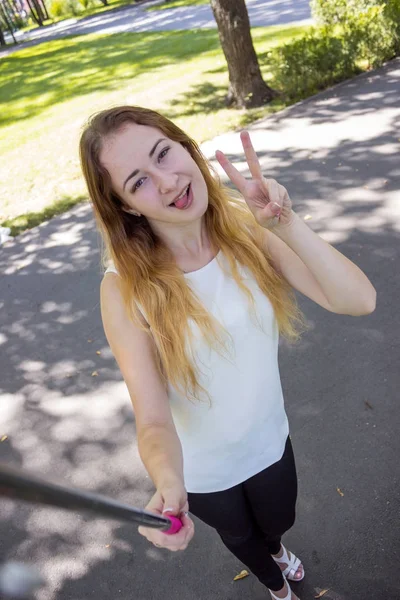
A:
[267,199]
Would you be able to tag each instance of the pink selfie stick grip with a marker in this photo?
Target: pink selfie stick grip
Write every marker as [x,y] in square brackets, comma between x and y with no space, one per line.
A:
[176,525]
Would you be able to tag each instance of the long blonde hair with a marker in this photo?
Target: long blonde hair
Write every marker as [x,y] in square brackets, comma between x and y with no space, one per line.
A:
[149,275]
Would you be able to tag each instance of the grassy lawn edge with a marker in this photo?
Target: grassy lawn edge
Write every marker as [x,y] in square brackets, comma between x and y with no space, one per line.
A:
[176,4]
[30,220]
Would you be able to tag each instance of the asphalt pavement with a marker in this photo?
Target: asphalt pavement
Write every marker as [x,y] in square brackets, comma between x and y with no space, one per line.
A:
[65,413]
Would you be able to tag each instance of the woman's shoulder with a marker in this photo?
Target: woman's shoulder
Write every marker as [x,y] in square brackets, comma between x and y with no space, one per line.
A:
[110,269]
[109,286]
[110,293]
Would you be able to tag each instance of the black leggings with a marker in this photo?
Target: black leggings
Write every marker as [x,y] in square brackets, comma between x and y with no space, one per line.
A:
[251,517]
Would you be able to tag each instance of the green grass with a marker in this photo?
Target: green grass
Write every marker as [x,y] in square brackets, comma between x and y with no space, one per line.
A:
[176,4]
[32,219]
[48,91]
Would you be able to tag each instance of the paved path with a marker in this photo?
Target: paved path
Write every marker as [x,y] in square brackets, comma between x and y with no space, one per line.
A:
[137,18]
[67,414]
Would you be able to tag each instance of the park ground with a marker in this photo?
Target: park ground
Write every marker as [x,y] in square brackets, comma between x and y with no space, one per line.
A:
[66,415]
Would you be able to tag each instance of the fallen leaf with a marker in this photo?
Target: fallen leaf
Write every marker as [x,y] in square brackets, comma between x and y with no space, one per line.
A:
[241,575]
[90,341]
[3,439]
[98,352]
[368,405]
[307,217]
[322,593]
[108,545]
[340,491]
[94,374]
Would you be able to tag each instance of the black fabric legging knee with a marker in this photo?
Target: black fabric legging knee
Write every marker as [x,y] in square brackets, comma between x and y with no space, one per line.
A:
[252,516]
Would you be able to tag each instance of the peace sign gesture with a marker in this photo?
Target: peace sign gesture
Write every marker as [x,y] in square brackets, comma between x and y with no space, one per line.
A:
[267,199]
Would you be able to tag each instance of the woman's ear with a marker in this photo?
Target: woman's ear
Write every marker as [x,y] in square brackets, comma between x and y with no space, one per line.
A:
[132,212]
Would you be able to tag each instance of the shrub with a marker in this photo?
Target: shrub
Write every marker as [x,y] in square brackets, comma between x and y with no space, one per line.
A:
[368,27]
[370,34]
[311,63]
[353,34]
[20,21]
[86,3]
[333,12]
[391,11]
[374,15]
[65,8]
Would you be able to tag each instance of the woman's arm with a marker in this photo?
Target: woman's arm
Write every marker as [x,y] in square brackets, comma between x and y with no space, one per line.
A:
[134,351]
[161,452]
[158,442]
[319,271]
[331,279]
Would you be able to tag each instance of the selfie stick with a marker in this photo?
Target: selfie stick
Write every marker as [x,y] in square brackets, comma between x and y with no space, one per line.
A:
[17,484]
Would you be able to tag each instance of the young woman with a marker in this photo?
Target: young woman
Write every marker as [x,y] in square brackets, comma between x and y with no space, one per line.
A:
[199,288]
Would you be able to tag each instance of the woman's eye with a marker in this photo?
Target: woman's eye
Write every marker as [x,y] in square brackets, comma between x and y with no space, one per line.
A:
[137,184]
[163,153]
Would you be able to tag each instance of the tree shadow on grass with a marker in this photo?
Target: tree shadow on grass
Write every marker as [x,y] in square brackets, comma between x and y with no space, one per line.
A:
[56,71]
[216,71]
[202,98]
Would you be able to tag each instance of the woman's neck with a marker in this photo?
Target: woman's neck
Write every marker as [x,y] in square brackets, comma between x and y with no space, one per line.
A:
[189,243]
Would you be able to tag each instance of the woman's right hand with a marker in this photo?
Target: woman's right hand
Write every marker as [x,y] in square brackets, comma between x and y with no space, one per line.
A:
[170,500]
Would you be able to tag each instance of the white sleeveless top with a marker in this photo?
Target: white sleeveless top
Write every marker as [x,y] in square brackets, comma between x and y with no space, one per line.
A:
[245,428]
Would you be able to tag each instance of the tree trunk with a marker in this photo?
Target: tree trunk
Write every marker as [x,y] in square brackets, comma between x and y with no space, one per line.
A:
[45,11]
[36,12]
[247,88]
[2,39]
[7,23]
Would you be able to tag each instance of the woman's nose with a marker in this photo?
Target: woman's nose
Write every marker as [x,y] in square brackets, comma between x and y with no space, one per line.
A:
[167,182]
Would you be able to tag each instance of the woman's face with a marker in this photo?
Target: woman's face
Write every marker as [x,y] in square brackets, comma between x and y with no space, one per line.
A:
[154,176]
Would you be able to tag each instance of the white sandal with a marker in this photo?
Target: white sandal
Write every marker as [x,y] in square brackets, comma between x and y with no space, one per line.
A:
[293,564]
[288,595]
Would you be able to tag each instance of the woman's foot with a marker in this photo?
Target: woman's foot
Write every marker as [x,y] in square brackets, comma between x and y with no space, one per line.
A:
[285,561]
[285,593]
